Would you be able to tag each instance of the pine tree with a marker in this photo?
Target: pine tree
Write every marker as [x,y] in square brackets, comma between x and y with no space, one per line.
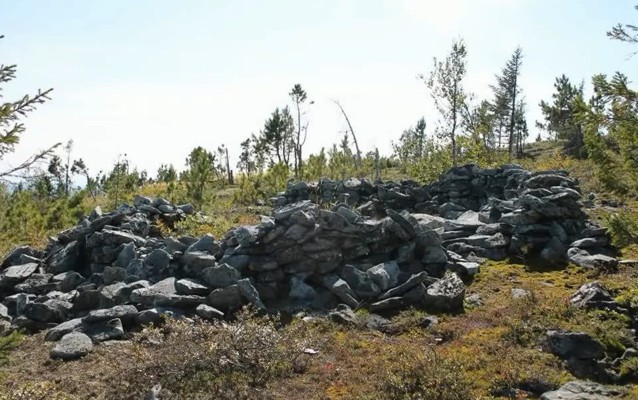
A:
[561,116]
[11,126]
[200,173]
[446,88]
[508,94]
[276,139]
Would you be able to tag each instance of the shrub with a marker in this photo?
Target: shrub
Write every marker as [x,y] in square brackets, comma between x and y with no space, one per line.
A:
[9,343]
[623,228]
[425,377]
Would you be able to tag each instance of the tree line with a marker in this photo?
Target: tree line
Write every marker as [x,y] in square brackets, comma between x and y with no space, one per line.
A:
[488,131]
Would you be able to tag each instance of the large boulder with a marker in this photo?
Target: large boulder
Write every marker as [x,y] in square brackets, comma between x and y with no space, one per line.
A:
[72,346]
[446,294]
[16,274]
[593,295]
[583,259]
[579,345]
[583,390]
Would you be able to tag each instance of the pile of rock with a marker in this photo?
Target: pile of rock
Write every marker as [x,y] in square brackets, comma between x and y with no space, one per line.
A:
[491,213]
[115,271]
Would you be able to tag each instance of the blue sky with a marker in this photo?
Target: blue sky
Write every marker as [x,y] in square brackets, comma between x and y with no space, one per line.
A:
[154,79]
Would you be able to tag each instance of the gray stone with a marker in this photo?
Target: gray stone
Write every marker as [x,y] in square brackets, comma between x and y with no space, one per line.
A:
[246,235]
[208,312]
[518,293]
[105,330]
[139,201]
[56,333]
[109,237]
[343,315]
[554,252]
[205,244]
[360,282]
[147,317]
[403,222]
[466,268]
[114,274]
[282,213]
[124,312]
[301,291]
[238,261]
[582,390]
[123,293]
[65,259]
[221,276]
[598,241]
[68,280]
[228,298]
[583,259]
[593,295]
[248,291]
[391,303]
[158,260]
[195,262]
[36,284]
[127,254]
[147,296]
[446,294]
[435,255]
[188,209]
[487,242]
[385,275]
[49,311]
[178,301]
[13,258]
[340,288]
[190,286]
[15,274]
[404,287]
[92,299]
[72,346]
[4,313]
[578,345]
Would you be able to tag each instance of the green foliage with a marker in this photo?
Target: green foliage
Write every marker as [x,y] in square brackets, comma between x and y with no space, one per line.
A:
[166,173]
[200,174]
[446,85]
[276,140]
[623,228]
[9,343]
[629,368]
[425,377]
[509,107]
[262,186]
[411,145]
[561,116]
[12,127]
[611,132]
[627,33]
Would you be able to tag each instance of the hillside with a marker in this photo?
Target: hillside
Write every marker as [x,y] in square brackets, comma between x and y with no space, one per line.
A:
[495,345]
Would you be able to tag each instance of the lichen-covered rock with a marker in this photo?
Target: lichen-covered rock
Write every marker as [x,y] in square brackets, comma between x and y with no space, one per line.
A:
[446,294]
[72,346]
[15,274]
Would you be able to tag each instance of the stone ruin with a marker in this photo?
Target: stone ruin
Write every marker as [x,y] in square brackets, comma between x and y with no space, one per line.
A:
[331,245]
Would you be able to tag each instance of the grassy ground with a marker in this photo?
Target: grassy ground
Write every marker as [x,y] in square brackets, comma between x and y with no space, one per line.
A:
[494,350]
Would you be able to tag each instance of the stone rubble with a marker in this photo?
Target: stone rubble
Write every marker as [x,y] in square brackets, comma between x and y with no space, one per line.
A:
[383,246]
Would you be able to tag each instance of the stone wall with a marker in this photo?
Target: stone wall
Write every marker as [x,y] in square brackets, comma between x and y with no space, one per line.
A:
[378,248]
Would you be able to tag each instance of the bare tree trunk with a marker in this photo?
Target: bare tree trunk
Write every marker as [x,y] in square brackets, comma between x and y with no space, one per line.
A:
[356,144]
